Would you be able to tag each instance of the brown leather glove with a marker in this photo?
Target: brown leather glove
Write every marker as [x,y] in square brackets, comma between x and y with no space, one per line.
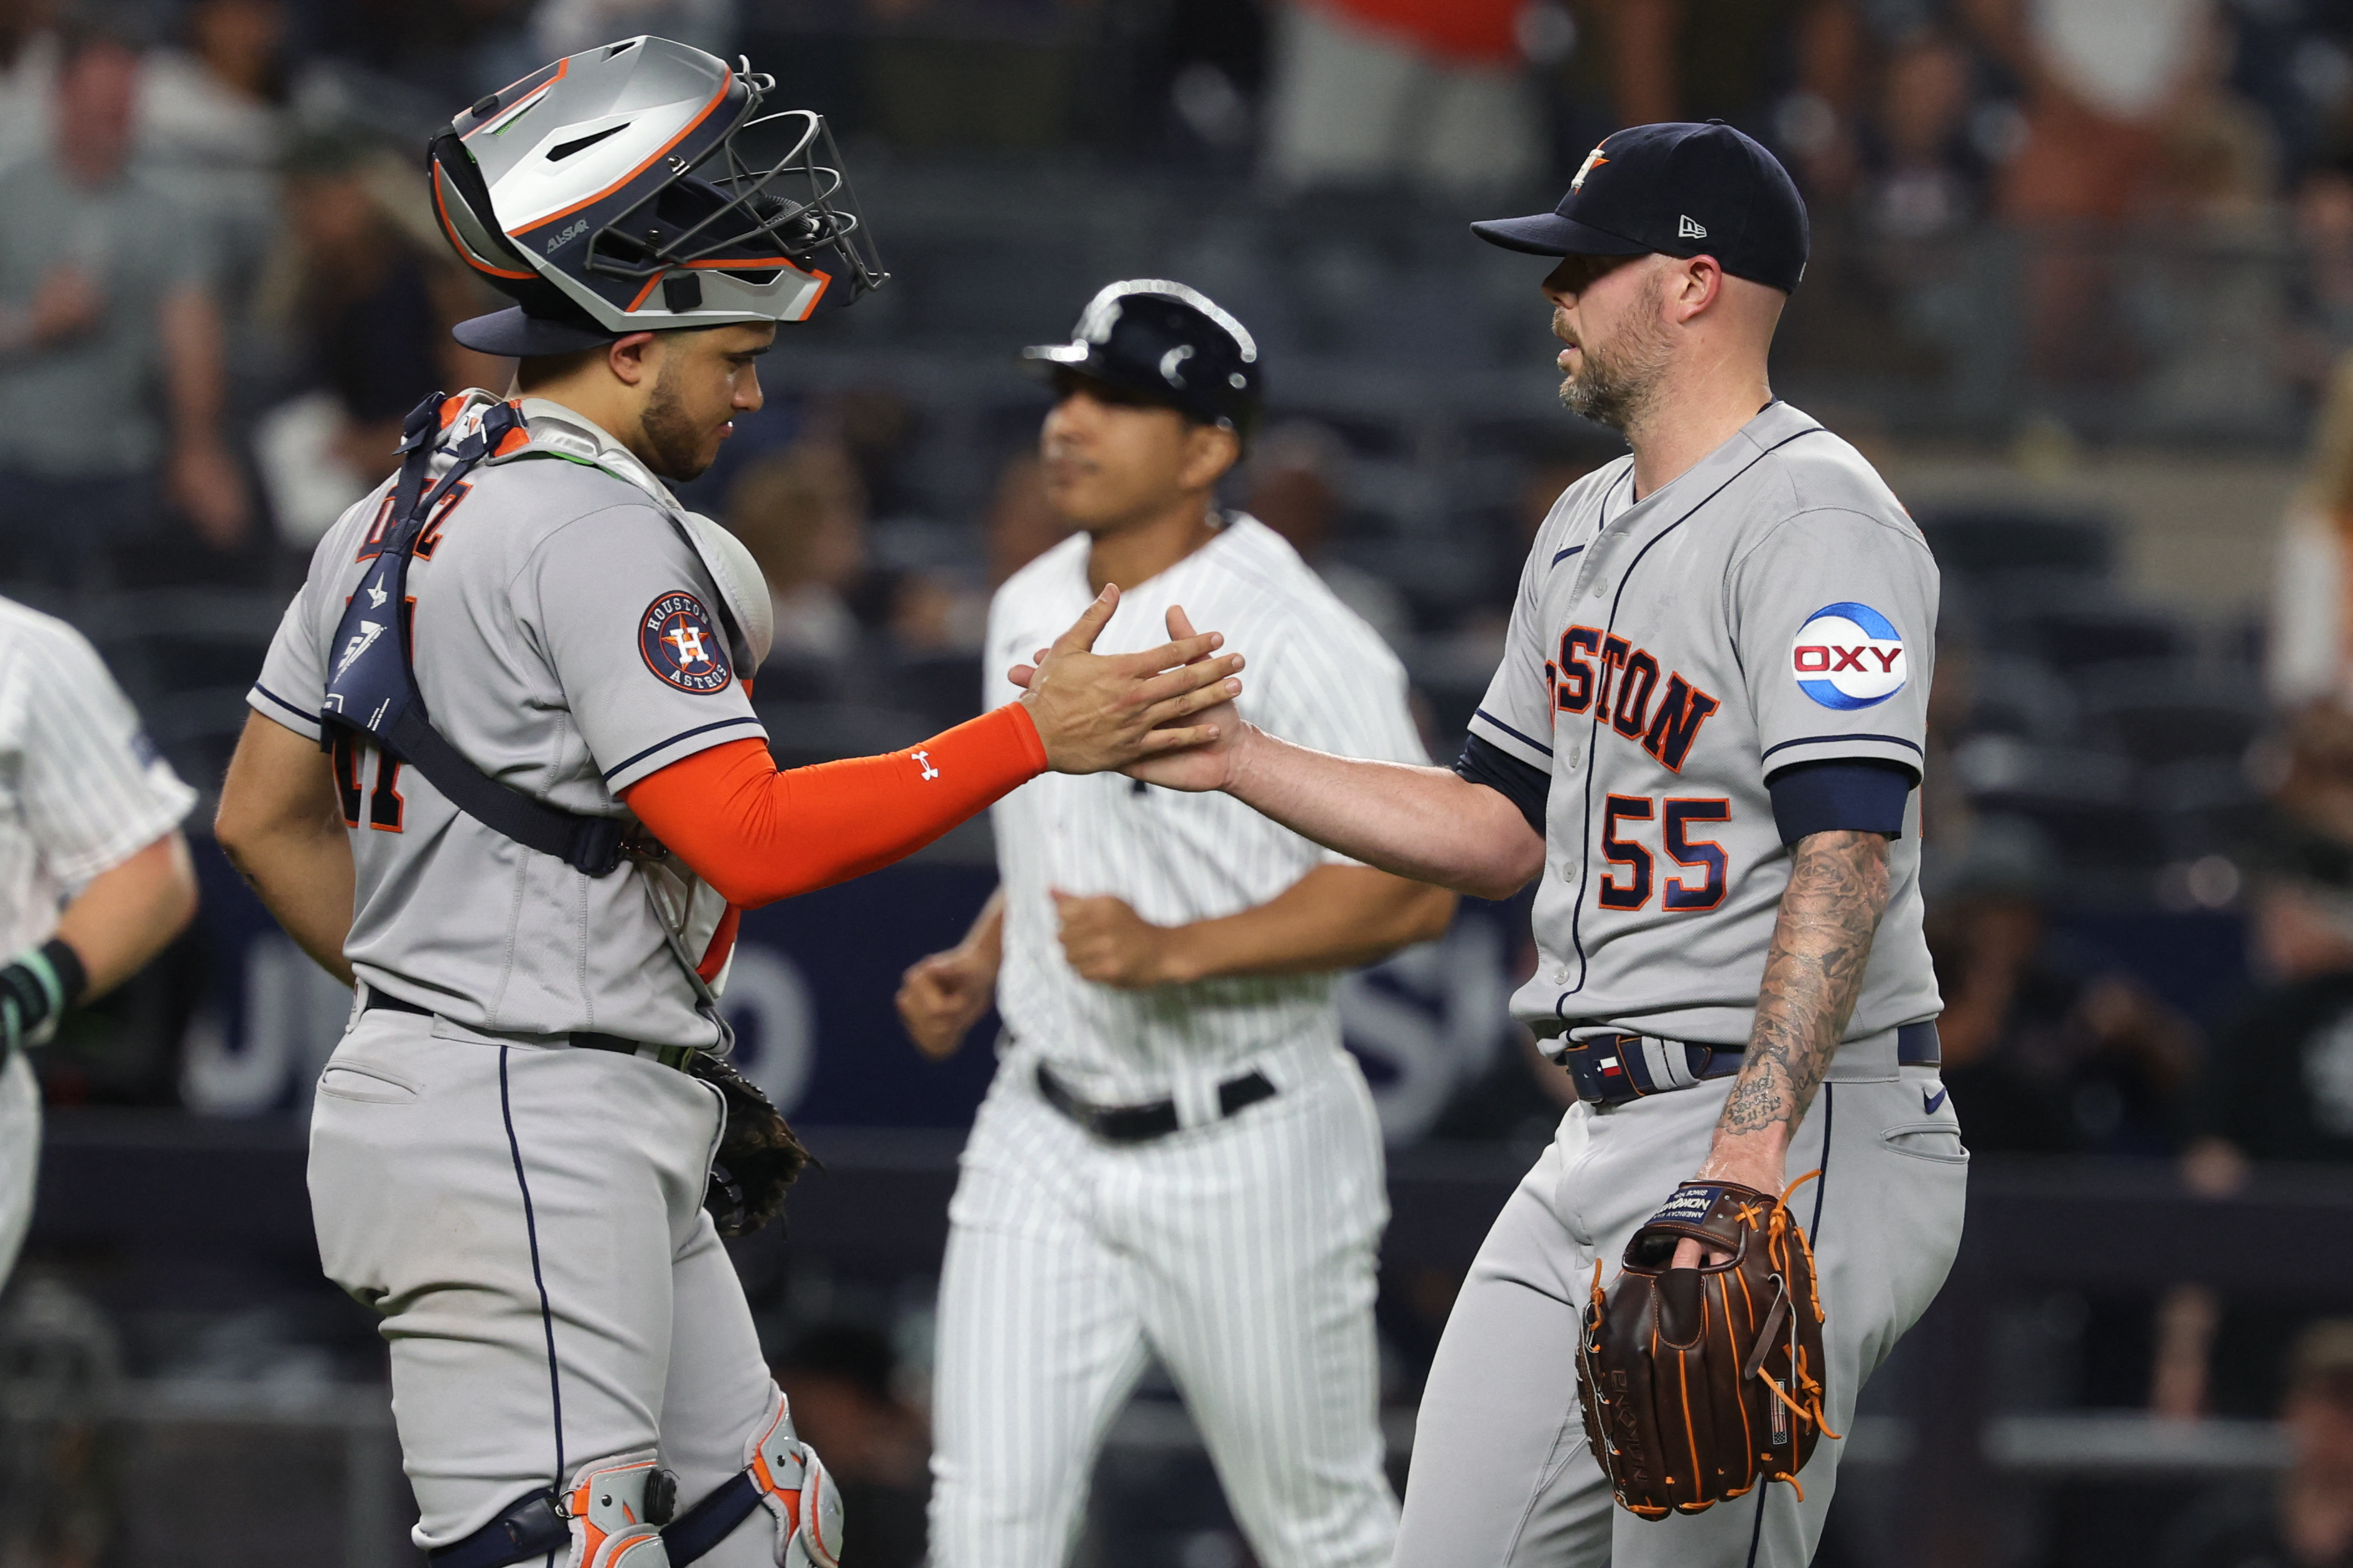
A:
[1697,1382]
[759,1155]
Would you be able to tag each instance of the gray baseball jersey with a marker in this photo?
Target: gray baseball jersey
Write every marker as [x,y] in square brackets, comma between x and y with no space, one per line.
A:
[1317,674]
[565,641]
[1773,604]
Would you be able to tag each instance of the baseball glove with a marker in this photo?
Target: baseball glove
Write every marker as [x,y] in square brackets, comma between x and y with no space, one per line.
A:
[759,1155]
[1698,1383]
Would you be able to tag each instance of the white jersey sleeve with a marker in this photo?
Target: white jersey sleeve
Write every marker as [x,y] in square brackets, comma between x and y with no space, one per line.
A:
[1833,614]
[91,788]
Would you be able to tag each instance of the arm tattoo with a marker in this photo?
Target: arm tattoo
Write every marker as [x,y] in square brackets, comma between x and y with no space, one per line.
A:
[1837,890]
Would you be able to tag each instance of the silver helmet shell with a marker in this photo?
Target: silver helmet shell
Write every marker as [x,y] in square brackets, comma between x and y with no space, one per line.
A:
[609,192]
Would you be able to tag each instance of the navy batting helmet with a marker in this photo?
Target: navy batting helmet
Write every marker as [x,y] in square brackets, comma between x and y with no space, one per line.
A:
[1167,343]
[606,194]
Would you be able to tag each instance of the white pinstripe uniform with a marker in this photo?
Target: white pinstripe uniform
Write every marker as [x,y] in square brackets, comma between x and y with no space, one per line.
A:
[1238,1250]
[80,792]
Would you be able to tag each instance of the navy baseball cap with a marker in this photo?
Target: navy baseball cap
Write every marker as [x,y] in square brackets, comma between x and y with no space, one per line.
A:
[1167,342]
[1674,189]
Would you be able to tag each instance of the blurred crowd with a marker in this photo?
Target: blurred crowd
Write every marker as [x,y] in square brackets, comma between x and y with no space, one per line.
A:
[222,284]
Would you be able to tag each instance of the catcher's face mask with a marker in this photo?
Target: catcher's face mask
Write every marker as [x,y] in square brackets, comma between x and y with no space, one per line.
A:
[617,190]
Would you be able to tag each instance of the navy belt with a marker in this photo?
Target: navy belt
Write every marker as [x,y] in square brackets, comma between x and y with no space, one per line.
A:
[1610,1069]
[1156,1119]
[587,1039]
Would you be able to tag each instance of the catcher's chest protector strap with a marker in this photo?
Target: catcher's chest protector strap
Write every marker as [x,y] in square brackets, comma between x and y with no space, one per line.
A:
[371,687]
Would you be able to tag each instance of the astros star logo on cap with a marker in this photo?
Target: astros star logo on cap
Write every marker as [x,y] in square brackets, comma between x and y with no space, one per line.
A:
[1593,161]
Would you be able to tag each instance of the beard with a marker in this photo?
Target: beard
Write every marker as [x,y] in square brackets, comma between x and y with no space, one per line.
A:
[676,440]
[1619,383]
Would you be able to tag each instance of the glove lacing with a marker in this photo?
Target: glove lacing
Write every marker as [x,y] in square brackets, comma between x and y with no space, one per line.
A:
[1781,1233]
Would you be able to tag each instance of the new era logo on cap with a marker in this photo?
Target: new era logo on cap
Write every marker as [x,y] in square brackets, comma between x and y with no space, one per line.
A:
[1657,174]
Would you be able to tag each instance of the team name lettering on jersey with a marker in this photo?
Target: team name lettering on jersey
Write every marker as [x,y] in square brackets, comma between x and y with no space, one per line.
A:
[1602,673]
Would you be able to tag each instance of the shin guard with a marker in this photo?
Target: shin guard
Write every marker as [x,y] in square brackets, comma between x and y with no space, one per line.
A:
[781,1474]
[616,1507]
[795,1487]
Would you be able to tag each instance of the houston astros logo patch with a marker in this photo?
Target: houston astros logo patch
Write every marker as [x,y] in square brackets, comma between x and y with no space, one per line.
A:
[1849,656]
[682,644]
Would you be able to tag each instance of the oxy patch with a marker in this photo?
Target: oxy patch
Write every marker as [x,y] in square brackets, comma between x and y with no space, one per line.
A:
[1849,656]
[682,645]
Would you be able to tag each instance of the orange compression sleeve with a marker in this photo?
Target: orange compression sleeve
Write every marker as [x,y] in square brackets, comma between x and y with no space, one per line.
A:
[757,835]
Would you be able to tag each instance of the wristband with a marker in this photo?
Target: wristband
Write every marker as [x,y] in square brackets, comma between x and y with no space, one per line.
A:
[36,989]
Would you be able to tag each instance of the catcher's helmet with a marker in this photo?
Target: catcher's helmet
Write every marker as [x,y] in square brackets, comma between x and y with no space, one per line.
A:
[1168,342]
[606,193]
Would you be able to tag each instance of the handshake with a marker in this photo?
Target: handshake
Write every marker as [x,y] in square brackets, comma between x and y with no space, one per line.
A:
[1165,715]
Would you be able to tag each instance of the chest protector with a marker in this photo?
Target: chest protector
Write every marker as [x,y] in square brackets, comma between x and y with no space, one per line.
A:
[371,685]
[372,690]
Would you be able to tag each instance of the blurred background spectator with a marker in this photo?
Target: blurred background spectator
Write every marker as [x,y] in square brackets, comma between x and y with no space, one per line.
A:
[2306,1519]
[1293,476]
[363,291]
[1428,90]
[802,512]
[103,276]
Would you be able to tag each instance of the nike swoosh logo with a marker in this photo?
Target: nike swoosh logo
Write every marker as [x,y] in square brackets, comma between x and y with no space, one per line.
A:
[1929,1102]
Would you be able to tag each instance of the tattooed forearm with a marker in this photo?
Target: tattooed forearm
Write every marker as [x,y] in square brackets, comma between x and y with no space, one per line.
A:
[1837,890]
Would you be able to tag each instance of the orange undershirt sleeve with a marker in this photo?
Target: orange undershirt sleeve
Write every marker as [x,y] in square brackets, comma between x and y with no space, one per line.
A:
[757,835]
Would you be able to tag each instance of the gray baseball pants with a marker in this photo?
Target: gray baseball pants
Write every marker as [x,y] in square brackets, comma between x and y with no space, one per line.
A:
[1502,1475]
[528,1219]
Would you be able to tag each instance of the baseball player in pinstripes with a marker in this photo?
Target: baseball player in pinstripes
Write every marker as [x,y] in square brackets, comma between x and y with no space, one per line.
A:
[94,875]
[545,798]
[1177,1157]
[1702,744]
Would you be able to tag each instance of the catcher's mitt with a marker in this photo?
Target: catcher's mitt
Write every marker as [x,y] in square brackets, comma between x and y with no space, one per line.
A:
[1699,1382]
[759,1155]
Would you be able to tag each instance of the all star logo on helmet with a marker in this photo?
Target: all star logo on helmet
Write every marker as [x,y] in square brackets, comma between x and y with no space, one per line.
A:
[1593,161]
[682,645]
[1849,656]
[578,227]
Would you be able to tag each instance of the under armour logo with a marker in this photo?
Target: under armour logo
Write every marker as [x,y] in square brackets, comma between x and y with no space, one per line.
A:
[924,760]
[1687,229]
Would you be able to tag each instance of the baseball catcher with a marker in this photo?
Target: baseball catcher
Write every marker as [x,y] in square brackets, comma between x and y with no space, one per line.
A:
[503,774]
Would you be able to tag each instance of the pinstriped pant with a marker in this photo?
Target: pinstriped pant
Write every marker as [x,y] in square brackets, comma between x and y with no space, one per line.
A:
[20,1156]
[1241,1252]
